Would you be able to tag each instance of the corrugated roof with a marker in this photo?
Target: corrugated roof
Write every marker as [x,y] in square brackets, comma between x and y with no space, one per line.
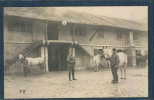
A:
[48,13]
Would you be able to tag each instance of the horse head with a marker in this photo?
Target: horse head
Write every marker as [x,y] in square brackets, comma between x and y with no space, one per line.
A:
[21,56]
[107,53]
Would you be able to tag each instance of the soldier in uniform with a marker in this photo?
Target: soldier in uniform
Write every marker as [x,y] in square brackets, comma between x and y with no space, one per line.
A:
[71,62]
[24,64]
[114,66]
[26,67]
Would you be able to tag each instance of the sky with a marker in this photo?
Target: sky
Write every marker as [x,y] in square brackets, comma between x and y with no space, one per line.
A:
[139,13]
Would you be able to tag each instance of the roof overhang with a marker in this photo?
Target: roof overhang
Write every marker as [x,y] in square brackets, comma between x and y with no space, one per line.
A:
[76,22]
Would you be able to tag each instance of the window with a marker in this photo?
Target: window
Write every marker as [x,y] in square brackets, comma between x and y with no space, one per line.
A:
[101,33]
[119,35]
[134,36]
[71,30]
[29,27]
[19,26]
[11,25]
[23,26]
[80,31]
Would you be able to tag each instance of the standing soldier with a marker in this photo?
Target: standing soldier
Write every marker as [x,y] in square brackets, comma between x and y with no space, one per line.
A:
[26,67]
[71,62]
[114,66]
[24,64]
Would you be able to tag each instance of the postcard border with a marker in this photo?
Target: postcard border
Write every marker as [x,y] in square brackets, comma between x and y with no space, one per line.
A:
[45,3]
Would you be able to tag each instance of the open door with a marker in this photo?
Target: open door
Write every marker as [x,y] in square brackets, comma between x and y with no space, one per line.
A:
[53,60]
[57,57]
[63,56]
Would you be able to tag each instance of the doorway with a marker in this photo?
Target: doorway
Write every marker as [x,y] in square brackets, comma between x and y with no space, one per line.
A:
[57,57]
[52,31]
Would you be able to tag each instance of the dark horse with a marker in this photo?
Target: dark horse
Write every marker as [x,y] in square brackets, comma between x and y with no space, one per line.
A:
[141,60]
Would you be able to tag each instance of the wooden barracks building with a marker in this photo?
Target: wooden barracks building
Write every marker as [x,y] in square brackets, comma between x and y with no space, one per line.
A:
[43,32]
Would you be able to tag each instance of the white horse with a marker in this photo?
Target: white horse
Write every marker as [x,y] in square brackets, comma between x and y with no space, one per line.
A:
[122,58]
[96,61]
[34,61]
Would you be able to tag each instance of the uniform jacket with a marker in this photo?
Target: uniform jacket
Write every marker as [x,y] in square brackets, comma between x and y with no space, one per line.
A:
[25,63]
[114,59]
[71,59]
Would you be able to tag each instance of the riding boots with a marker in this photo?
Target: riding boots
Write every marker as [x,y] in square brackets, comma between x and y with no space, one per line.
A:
[69,76]
[73,76]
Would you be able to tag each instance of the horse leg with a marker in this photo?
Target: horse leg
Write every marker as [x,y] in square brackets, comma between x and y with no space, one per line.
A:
[137,64]
[42,68]
[121,73]
[96,68]
[142,64]
[108,64]
[125,73]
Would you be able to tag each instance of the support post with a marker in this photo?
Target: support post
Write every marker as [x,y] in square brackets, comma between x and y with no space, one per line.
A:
[46,48]
[131,49]
[46,58]
[73,32]
[59,58]
[44,54]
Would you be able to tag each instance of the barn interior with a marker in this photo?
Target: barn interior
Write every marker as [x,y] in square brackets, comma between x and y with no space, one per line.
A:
[57,56]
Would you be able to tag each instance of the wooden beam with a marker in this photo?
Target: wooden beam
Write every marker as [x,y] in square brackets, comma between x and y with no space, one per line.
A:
[17,42]
[73,32]
[94,34]
[45,51]
[59,41]
[46,30]
[59,58]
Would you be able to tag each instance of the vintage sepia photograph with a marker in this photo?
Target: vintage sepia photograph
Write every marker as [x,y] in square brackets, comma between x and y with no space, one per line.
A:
[75,52]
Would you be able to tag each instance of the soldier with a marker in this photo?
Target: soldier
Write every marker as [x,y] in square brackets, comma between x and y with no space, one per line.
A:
[24,64]
[26,67]
[71,62]
[114,66]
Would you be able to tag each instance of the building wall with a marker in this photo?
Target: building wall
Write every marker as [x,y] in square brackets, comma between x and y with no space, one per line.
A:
[13,40]
[64,32]
[39,30]
[110,36]
[15,36]
[142,39]
[17,41]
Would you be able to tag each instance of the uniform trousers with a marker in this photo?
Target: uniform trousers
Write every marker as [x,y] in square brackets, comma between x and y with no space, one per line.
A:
[71,70]
[114,73]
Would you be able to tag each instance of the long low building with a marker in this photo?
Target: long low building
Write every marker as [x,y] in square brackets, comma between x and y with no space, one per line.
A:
[25,27]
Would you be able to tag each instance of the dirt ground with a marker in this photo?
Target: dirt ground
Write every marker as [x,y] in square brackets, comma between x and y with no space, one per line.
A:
[89,84]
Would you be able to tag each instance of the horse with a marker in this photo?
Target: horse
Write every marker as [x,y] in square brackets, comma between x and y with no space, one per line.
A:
[141,60]
[122,60]
[96,61]
[34,61]
[104,62]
